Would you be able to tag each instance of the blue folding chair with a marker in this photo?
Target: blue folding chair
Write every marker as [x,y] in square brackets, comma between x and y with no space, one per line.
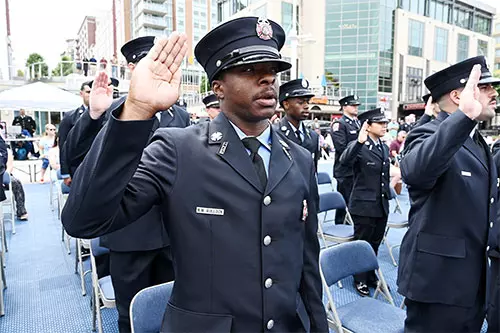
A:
[102,287]
[397,219]
[365,314]
[148,307]
[338,233]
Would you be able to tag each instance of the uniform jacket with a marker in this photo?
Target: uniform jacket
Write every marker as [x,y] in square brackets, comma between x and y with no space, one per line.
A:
[453,193]
[370,193]
[177,116]
[149,232]
[27,123]
[241,255]
[311,138]
[67,123]
[344,130]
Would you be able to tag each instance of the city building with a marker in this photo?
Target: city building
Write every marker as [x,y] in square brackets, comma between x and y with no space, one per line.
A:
[71,48]
[86,38]
[382,50]
[496,35]
[6,57]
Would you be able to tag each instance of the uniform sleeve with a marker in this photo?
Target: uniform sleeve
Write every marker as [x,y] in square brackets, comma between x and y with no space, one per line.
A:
[80,139]
[117,182]
[339,137]
[64,129]
[428,153]
[311,289]
[350,155]
[423,120]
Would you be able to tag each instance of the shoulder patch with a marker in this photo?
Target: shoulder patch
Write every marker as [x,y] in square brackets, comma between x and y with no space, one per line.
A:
[335,127]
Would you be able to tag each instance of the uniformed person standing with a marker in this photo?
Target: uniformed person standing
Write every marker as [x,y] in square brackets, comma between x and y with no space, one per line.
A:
[369,203]
[212,105]
[344,130]
[239,201]
[139,254]
[294,98]
[452,182]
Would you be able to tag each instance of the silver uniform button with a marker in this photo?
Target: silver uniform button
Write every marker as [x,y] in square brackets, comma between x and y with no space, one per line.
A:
[267,200]
[270,324]
[268,283]
[487,248]
[491,224]
[383,174]
[267,240]
[382,184]
[492,200]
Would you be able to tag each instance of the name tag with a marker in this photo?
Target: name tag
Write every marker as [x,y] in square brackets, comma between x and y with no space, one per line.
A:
[370,163]
[210,211]
[466,174]
[353,132]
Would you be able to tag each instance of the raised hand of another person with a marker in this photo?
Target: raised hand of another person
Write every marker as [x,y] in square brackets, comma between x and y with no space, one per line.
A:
[469,98]
[101,95]
[156,79]
[363,133]
[429,107]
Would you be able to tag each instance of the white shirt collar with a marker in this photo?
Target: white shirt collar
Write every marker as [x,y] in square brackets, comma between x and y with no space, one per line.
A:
[264,138]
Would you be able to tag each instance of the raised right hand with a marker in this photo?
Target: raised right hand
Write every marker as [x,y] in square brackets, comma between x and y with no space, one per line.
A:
[156,79]
[429,107]
[101,96]
[469,98]
[363,133]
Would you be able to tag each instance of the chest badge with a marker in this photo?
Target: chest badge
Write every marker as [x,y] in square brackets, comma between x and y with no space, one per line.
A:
[305,211]
[217,136]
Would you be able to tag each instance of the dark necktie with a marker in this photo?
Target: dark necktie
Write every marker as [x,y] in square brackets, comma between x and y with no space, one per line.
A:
[358,125]
[477,140]
[253,145]
[297,132]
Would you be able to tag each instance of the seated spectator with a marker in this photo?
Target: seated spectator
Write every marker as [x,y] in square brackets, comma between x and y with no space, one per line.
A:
[396,145]
[17,188]
[46,143]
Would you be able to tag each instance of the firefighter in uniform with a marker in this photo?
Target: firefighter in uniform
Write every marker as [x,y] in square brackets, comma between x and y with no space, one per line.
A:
[239,200]
[294,98]
[369,203]
[211,105]
[344,130]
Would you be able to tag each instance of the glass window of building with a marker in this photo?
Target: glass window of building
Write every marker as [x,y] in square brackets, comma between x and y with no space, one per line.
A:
[441,45]
[482,47]
[463,18]
[286,16]
[439,10]
[416,38]
[286,75]
[261,11]
[497,53]
[497,40]
[462,47]
[482,25]
[414,81]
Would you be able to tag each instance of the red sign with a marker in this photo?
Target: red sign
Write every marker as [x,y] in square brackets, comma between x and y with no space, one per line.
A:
[418,106]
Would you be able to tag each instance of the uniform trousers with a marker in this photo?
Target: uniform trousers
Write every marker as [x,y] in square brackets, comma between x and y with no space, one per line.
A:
[344,187]
[371,230]
[134,271]
[443,318]
[494,297]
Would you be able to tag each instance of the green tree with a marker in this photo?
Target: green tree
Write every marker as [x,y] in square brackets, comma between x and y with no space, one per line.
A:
[330,78]
[39,64]
[204,85]
[65,67]
[497,74]
[20,73]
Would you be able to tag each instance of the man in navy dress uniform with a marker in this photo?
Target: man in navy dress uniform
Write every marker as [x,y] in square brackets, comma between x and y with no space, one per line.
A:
[140,253]
[239,201]
[212,105]
[294,98]
[453,187]
[344,130]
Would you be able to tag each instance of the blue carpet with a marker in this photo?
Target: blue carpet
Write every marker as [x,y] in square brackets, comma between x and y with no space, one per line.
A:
[43,293]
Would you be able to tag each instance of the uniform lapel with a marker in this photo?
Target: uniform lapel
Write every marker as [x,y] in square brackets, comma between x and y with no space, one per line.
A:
[281,161]
[375,150]
[472,147]
[288,131]
[228,146]
[166,118]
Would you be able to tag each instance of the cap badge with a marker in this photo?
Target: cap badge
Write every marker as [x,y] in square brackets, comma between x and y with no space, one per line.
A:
[264,29]
[356,97]
[217,136]
[304,83]
[462,81]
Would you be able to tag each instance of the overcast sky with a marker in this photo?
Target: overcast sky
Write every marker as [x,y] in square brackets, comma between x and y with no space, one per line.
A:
[43,25]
